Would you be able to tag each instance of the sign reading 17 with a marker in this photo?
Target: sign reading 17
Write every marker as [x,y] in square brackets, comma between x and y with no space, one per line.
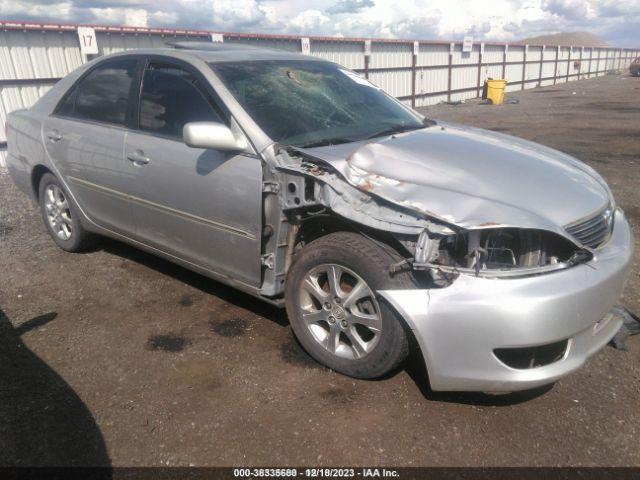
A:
[88,41]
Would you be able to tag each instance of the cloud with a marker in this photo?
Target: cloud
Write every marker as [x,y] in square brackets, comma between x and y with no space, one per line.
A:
[616,21]
[349,6]
[419,27]
[40,10]
[310,22]
[570,9]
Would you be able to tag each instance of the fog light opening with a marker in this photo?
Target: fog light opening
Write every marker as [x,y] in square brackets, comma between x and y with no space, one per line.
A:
[532,357]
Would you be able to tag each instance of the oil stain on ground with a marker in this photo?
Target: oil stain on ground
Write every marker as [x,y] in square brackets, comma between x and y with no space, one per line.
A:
[234,327]
[337,395]
[186,300]
[167,342]
[5,229]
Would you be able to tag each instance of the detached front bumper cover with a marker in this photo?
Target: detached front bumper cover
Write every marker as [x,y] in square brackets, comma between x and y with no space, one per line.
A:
[459,327]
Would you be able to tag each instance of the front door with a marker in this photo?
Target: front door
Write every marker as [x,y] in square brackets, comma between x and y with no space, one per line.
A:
[201,205]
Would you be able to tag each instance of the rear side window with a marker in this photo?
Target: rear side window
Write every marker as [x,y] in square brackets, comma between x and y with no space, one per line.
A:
[103,95]
[171,98]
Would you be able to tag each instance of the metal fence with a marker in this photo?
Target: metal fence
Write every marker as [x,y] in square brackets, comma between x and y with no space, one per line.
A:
[34,56]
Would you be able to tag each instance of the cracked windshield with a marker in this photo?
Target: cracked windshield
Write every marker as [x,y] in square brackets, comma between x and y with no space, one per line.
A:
[310,104]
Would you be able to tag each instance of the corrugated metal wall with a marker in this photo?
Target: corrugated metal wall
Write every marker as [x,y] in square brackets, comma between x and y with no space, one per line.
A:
[34,56]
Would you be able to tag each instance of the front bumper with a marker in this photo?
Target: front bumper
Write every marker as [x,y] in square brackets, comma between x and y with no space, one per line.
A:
[458,327]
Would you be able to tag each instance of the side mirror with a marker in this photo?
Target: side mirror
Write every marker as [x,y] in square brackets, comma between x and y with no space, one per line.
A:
[212,135]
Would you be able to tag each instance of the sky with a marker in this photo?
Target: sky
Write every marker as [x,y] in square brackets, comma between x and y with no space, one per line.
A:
[615,21]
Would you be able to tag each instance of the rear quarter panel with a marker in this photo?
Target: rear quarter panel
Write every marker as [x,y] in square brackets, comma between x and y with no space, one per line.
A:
[24,148]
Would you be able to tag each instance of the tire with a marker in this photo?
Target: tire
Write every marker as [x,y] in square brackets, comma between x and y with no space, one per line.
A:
[65,229]
[355,350]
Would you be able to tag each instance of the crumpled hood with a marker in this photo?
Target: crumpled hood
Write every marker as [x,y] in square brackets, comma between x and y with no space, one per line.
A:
[472,177]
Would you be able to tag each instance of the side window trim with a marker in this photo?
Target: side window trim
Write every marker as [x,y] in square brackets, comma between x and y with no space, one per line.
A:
[134,94]
[202,85]
[73,90]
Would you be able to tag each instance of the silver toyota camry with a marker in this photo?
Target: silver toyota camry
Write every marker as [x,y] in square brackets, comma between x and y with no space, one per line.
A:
[296,180]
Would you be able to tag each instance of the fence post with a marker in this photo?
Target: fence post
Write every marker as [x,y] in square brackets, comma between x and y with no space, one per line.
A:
[414,57]
[590,61]
[451,48]
[524,66]
[479,68]
[569,63]
[504,61]
[541,63]
[620,60]
[555,65]
[367,56]
[598,67]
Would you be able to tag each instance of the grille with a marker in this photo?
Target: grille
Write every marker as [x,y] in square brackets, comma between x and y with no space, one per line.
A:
[593,231]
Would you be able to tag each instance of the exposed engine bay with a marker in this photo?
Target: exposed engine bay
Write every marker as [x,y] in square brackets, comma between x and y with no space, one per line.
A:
[315,192]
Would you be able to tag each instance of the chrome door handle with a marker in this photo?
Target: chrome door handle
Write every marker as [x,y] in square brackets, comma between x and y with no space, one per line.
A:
[54,136]
[138,158]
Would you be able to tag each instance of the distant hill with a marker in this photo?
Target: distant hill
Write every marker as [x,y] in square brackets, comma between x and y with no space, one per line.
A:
[584,39]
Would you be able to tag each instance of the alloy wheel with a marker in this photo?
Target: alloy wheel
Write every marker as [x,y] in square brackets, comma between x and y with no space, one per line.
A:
[340,310]
[58,213]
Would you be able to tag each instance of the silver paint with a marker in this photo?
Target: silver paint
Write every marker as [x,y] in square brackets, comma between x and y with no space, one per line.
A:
[206,209]
[212,135]
[450,173]
[459,326]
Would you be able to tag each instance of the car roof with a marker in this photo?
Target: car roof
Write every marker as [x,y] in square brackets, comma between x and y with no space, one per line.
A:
[221,52]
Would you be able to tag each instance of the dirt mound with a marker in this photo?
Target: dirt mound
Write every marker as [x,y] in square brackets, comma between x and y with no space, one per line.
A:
[583,39]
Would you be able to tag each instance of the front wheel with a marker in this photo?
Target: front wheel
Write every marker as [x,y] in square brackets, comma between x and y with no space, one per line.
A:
[334,309]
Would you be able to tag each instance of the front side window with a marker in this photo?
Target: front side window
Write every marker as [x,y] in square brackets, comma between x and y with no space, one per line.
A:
[171,98]
[103,95]
[310,103]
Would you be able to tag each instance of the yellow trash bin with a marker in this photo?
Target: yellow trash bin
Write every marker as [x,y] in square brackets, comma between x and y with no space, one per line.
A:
[495,90]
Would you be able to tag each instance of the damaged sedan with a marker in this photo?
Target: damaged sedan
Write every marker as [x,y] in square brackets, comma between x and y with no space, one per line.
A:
[299,182]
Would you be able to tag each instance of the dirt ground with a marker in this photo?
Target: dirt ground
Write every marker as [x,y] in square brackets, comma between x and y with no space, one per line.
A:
[116,357]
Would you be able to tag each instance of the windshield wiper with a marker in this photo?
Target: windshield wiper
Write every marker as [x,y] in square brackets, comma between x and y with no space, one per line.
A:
[385,131]
[393,129]
[326,141]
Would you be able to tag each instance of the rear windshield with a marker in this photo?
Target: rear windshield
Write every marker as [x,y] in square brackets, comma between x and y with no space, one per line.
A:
[311,103]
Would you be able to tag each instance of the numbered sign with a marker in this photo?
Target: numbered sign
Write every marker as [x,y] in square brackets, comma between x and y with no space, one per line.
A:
[467,44]
[88,41]
[306,46]
[367,48]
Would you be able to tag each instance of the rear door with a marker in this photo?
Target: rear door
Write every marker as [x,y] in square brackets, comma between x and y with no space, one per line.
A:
[201,205]
[85,138]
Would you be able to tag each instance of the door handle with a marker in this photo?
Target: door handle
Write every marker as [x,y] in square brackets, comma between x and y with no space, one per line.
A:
[54,136]
[138,158]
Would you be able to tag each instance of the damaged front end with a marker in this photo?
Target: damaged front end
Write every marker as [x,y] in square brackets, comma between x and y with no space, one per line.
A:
[300,190]
[496,253]
[487,313]
[428,242]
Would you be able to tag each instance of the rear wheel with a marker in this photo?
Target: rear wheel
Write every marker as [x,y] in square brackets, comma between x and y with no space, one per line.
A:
[334,308]
[60,216]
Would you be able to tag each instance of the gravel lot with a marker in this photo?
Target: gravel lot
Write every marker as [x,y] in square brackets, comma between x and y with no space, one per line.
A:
[116,357]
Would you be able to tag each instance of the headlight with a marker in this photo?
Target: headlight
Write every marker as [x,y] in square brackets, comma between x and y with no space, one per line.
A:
[497,252]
